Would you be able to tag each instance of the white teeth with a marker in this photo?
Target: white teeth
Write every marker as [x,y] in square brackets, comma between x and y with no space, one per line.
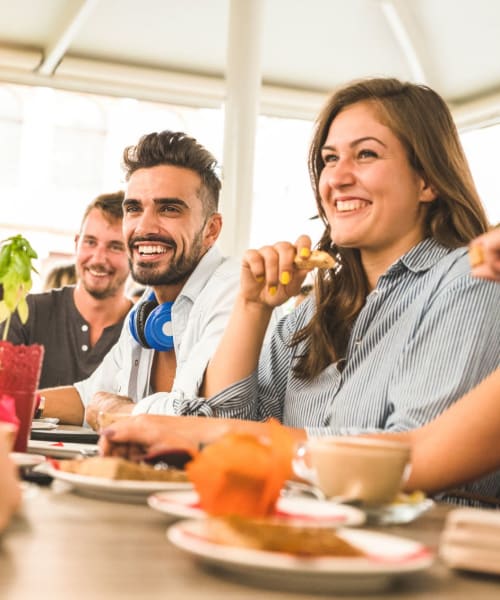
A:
[97,273]
[346,205]
[151,249]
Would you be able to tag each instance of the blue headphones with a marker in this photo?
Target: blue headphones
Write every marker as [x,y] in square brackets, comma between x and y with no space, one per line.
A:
[150,324]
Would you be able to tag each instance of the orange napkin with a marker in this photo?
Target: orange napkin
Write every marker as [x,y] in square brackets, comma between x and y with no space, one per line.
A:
[242,474]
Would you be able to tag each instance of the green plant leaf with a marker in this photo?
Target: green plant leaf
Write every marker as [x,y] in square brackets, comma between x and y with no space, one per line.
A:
[23,310]
[4,260]
[4,311]
[16,256]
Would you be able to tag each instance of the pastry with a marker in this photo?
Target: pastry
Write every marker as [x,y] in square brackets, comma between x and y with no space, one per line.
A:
[274,535]
[318,259]
[111,467]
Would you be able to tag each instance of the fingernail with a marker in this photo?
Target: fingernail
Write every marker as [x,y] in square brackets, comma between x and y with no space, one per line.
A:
[109,433]
[305,252]
[259,278]
[272,290]
[285,278]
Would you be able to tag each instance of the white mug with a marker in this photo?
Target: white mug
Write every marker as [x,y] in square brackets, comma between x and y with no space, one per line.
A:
[364,469]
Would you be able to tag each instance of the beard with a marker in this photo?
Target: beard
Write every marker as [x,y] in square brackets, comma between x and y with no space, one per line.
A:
[179,269]
[101,293]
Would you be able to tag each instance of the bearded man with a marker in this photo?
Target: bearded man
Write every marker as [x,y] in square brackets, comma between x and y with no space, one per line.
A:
[79,324]
[170,227]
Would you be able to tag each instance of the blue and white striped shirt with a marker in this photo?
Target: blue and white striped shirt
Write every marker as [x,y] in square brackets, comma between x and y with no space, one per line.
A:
[428,333]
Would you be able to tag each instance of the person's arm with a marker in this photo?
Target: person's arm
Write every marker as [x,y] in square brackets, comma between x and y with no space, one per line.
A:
[63,402]
[149,435]
[460,445]
[10,492]
[268,278]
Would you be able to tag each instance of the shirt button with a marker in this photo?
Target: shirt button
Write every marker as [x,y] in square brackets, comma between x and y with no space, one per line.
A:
[85,327]
[358,341]
[85,347]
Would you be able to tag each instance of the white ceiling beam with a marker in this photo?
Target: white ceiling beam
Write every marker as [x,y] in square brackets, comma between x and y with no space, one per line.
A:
[482,112]
[408,37]
[62,38]
[156,85]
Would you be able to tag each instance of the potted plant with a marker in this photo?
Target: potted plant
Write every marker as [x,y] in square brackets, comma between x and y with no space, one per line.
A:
[20,365]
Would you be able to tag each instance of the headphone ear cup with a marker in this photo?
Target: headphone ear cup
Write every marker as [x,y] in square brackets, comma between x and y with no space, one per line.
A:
[137,321]
[158,328]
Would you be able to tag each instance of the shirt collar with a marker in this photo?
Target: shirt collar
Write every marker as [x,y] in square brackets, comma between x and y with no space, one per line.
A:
[202,273]
[421,257]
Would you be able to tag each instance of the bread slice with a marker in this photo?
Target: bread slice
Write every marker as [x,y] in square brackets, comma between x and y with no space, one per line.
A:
[275,535]
[318,259]
[111,467]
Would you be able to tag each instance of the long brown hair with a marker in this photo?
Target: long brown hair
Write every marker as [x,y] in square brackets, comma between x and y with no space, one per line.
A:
[421,120]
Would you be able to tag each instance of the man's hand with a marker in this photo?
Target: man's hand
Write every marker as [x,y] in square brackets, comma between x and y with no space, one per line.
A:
[106,403]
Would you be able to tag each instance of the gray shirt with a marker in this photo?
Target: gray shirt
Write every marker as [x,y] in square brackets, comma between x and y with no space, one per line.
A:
[55,322]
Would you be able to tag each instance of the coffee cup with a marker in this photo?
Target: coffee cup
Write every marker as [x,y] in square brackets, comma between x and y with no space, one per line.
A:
[354,468]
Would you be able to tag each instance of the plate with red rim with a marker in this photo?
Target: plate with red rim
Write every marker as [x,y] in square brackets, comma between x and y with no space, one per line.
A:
[386,558]
[61,449]
[186,504]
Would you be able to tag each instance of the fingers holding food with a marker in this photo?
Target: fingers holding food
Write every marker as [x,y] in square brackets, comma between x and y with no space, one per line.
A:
[317,259]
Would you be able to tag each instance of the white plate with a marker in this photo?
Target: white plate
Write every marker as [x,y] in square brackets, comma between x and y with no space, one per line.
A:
[38,424]
[116,490]
[305,510]
[398,513]
[25,460]
[388,557]
[61,449]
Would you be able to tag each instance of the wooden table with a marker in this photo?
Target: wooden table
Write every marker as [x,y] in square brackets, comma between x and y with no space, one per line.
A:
[65,546]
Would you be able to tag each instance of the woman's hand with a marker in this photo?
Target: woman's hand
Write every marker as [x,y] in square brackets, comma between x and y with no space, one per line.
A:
[269,276]
[142,436]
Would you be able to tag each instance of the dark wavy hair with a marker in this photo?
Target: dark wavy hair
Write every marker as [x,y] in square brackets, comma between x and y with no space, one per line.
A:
[177,149]
[422,122]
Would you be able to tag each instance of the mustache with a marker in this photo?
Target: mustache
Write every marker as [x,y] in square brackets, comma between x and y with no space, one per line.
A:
[99,268]
[151,239]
